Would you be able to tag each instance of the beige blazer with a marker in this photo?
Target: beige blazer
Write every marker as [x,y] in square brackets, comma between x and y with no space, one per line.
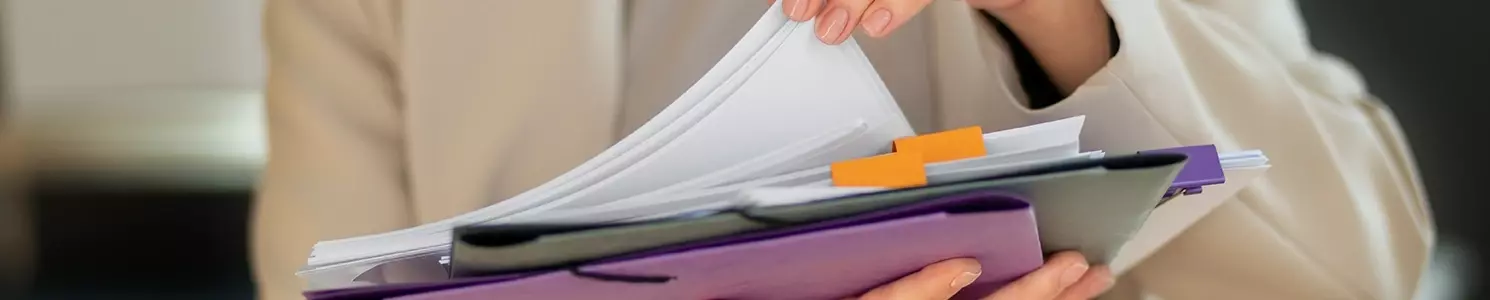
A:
[385,114]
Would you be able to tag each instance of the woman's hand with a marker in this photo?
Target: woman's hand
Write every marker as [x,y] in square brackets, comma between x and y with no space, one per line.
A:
[1066,276]
[1069,38]
[837,18]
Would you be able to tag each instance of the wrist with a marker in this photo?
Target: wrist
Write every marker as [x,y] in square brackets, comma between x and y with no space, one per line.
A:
[1069,39]
[1040,15]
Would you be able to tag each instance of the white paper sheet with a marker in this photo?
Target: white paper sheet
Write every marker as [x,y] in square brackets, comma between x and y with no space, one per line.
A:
[808,152]
[773,196]
[781,102]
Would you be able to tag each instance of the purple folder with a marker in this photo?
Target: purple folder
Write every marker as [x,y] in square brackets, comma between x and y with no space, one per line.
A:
[823,260]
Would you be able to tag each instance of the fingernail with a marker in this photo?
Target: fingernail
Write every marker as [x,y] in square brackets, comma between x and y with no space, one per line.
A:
[796,9]
[1073,273]
[1107,283]
[877,21]
[832,25]
[965,279]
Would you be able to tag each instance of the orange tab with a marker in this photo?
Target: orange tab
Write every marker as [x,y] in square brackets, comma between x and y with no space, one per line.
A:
[966,142]
[894,170]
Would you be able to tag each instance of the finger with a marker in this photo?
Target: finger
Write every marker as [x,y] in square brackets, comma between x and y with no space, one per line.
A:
[800,10]
[835,19]
[1061,271]
[994,5]
[1094,283]
[884,16]
[938,281]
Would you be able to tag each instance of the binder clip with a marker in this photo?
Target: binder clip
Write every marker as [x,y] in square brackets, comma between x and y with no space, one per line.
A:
[1201,169]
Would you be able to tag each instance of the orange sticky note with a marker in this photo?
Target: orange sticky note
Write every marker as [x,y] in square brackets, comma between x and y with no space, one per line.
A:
[894,170]
[966,142]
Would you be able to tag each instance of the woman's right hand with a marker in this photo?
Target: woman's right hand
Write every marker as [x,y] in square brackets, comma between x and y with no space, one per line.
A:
[1065,276]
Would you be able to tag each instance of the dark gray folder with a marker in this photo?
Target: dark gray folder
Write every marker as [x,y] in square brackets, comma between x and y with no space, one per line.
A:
[1092,206]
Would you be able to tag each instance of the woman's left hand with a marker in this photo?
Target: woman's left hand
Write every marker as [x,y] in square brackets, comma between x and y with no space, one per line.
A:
[837,18]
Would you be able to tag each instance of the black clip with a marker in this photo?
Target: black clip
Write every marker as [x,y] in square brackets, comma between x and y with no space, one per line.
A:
[577,272]
[1177,193]
[745,213]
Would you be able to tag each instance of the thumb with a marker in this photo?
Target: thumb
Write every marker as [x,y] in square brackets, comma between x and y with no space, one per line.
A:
[1060,272]
[938,281]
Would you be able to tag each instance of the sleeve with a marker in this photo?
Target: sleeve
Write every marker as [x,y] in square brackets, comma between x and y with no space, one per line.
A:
[335,162]
[1341,214]
[1038,86]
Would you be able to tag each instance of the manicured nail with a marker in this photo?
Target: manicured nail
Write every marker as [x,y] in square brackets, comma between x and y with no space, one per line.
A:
[832,25]
[796,9]
[876,22]
[1073,273]
[965,279]
[1107,283]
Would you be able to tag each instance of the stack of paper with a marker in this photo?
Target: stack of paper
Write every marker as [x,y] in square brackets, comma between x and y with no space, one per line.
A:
[760,130]
[758,112]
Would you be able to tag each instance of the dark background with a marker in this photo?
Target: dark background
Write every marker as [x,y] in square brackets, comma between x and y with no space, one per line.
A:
[110,239]
[1428,60]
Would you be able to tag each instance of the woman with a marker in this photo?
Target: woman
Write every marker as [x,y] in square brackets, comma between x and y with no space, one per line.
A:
[413,111]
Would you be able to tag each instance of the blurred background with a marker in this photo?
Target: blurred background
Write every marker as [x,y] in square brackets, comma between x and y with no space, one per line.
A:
[137,125]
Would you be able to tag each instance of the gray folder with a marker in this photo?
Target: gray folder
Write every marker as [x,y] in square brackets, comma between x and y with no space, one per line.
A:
[1093,206]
